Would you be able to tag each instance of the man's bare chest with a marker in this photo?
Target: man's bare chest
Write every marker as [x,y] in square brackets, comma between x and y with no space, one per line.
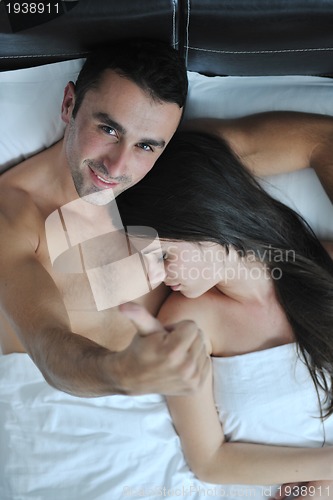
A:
[83,293]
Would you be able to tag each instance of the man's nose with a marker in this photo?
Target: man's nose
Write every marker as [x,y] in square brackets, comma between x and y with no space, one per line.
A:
[116,161]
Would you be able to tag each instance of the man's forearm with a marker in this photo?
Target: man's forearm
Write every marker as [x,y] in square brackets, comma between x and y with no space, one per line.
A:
[278,142]
[172,362]
[76,365]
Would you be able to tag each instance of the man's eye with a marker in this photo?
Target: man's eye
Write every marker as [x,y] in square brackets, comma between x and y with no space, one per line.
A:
[145,147]
[109,130]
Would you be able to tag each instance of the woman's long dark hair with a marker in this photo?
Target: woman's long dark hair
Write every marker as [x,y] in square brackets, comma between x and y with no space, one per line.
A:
[199,191]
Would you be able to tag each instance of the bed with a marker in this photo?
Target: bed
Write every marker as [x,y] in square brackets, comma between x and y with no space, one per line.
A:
[243,57]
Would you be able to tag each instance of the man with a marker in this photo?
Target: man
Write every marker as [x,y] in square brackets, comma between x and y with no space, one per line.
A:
[124,109]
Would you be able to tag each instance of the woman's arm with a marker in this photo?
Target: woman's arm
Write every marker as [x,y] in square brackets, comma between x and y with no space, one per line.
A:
[214,460]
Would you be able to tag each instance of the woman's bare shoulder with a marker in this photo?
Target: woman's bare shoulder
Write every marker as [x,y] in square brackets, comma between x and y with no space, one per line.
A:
[177,308]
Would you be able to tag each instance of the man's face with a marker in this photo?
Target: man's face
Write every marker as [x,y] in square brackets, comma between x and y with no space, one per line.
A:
[117,134]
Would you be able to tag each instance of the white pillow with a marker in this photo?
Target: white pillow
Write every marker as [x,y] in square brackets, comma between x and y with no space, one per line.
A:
[234,96]
[30,103]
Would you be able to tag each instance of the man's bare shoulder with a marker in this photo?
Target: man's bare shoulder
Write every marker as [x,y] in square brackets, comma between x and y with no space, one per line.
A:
[13,195]
[20,217]
[37,174]
[27,189]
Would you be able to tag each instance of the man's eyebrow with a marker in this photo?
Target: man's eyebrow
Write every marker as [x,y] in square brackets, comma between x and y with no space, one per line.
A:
[105,118]
[153,142]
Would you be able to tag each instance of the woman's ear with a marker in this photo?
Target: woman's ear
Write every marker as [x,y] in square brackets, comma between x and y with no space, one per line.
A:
[68,102]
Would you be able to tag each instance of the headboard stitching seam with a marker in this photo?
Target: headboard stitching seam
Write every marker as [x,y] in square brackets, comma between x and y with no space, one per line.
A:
[260,51]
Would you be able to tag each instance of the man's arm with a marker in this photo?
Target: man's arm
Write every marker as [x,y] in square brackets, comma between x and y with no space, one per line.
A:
[328,245]
[32,304]
[278,142]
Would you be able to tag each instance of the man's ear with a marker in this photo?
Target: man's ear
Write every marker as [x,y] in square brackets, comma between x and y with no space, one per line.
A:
[68,102]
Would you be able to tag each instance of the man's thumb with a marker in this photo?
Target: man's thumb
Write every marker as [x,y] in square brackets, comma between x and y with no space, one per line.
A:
[142,319]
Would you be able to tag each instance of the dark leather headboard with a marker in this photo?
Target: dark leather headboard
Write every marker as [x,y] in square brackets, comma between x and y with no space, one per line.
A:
[73,28]
[260,37]
[218,37]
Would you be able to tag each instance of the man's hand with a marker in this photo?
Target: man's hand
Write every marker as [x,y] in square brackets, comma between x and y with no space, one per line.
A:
[312,490]
[167,360]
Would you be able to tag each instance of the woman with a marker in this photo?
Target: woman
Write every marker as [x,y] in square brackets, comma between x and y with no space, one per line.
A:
[257,281]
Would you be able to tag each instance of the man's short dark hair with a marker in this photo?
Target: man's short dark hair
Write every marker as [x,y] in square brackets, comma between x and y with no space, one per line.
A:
[153,65]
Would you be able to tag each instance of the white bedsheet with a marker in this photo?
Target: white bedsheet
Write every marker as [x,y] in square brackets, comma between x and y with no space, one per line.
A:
[54,446]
